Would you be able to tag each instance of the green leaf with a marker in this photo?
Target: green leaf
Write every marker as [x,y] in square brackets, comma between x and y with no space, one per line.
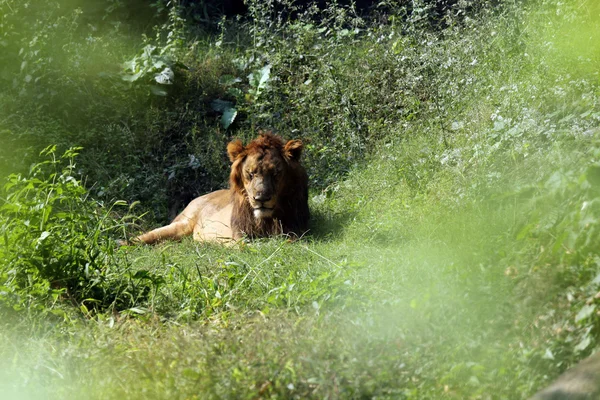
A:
[132,78]
[525,231]
[157,90]
[137,310]
[259,80]
[585,312]
[228,117]
[130,65]
[219,105]
[158,64]
[548,355]
[235,92]
[148,50]
[228,80]
[585,342]
[142,274]
[165,77]
[265,74]
[559,241]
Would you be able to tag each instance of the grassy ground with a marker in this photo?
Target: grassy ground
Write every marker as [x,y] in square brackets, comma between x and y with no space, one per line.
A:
[453,246]
[425,301]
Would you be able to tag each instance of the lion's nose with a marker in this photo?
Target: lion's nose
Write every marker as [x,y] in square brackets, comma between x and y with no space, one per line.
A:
[262,197]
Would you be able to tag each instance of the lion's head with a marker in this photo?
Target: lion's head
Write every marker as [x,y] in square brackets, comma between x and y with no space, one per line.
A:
[269,186]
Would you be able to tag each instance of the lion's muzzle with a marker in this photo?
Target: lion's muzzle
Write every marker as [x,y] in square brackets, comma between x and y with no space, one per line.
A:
[263,212]
[261,197]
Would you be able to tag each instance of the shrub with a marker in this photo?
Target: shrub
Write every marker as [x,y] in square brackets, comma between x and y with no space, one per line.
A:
[57,242]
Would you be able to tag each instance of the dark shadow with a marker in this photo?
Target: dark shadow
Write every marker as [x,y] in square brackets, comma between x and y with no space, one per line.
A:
[326,226]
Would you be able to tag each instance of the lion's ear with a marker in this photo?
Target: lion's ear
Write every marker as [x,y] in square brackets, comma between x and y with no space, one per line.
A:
[293,149]
[234,149]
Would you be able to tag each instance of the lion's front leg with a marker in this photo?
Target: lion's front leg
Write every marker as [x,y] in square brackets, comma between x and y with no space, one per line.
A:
[175,231]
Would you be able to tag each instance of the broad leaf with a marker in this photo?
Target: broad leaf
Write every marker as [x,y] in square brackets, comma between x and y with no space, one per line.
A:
[220,105]
[228,117]
[165,77]
[585,312]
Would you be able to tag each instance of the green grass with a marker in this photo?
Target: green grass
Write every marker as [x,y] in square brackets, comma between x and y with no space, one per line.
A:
[453,251]
[432,302]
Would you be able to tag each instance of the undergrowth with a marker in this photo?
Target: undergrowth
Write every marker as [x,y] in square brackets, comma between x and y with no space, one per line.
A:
[455,172]
[57,243]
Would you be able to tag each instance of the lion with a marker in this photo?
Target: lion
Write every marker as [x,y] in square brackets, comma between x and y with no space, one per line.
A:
[267,196]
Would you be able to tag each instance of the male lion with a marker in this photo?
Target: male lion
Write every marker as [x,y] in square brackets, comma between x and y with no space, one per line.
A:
[267,195]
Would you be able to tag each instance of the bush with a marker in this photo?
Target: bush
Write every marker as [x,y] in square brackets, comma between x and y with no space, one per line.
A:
[57,242]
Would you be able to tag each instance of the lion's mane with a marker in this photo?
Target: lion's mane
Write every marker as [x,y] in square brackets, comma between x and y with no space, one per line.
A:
[291,214]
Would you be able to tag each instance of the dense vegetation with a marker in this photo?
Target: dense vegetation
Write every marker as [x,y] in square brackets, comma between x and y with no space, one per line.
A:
[454,157]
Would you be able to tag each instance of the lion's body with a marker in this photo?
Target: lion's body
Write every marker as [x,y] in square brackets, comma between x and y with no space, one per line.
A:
[268,195]
[207,218]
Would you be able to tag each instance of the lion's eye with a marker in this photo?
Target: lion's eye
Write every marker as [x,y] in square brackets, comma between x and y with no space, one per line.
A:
[250,175]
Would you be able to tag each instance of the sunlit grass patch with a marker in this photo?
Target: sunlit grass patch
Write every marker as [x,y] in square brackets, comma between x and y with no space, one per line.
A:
[202,280]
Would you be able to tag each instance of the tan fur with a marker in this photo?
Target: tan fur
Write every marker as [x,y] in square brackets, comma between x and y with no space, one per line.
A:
[268,195]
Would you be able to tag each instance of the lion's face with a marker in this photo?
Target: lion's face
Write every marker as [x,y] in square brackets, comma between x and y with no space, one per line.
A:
[261,174]
[259,171]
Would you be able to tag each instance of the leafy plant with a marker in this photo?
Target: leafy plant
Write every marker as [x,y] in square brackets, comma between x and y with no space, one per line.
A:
[155,64]
[454,168]
[259,81]
[57,242]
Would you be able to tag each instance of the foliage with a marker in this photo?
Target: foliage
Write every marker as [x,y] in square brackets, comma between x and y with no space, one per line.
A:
[57,243]
[155,65]
[454,170]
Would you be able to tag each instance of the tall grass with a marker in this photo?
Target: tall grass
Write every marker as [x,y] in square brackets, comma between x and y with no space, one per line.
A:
[454,242]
